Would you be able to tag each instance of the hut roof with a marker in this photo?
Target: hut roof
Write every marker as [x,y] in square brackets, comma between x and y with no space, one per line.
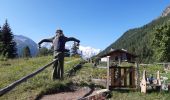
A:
[120,51]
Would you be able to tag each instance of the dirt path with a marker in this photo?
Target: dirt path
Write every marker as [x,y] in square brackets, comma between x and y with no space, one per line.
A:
[77,94]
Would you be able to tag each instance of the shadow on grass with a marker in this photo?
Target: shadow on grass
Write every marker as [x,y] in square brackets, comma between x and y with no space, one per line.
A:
[76,68]
[149,91]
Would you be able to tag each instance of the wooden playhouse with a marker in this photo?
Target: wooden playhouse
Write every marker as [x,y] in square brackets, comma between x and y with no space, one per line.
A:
[121,76]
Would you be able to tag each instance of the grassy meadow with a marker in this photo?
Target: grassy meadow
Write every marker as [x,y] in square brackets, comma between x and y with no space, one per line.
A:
[42,83]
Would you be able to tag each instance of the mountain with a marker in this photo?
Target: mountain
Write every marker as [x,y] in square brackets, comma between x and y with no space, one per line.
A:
[88,52]
[139,40]
[22,42]
[85,51]
[166,11]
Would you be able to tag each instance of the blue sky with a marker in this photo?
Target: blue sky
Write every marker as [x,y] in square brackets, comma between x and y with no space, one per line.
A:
[97,23]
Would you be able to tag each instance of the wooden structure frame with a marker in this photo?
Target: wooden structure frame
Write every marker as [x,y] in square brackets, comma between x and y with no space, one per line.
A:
[127,77]
[122,77]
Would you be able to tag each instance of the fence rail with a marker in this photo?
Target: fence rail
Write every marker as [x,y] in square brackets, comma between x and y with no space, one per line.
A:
[14,84]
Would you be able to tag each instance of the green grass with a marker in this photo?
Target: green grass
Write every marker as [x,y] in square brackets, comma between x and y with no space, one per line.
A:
[130,95]
[42,83]
[87,73]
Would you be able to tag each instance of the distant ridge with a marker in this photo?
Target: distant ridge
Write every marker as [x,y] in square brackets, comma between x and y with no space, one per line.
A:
[22,42]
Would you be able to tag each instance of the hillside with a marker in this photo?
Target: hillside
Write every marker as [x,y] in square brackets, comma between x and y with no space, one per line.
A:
[139,40]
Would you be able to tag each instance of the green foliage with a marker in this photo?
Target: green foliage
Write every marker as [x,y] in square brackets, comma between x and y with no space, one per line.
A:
[161,42]
[45,51]
[3,57]
[74,49]
[139,41]
[7,44]
[26,52]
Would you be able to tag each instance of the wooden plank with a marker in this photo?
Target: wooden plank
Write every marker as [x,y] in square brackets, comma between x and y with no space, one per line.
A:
[137,76]
[112,76]
[108,77]
[119,77]
[133,77]
[130,77]
[122,76]
[125,77]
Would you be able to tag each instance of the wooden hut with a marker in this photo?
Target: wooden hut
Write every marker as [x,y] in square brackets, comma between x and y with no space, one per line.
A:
[120,55]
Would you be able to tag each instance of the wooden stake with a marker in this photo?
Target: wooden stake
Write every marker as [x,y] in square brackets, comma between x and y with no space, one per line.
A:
[108,65]
[158,78]
[143,82]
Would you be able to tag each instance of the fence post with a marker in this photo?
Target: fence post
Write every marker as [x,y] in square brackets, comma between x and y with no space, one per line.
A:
[108,65]
[137,76]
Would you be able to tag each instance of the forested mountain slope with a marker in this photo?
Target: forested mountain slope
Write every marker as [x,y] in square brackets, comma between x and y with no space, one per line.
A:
[139,41]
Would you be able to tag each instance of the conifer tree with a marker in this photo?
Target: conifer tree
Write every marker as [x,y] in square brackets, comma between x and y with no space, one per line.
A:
[74,49]
[26,52]
[8,44]
[43,51]
[1,45]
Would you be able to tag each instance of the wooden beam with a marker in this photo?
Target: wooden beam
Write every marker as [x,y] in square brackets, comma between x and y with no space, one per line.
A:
[14,84]
[125,77]
[108,78]
[137,76]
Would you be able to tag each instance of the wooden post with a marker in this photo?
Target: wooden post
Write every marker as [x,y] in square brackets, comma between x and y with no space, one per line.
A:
[133,77]
[137,76]
[143,82]
[112,74]
[130,77]
[119,76]
[125,77]
[119,58]
[158,78]
[108,65]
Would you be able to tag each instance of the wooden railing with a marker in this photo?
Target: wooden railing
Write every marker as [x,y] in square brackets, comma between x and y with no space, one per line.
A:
[14,84]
